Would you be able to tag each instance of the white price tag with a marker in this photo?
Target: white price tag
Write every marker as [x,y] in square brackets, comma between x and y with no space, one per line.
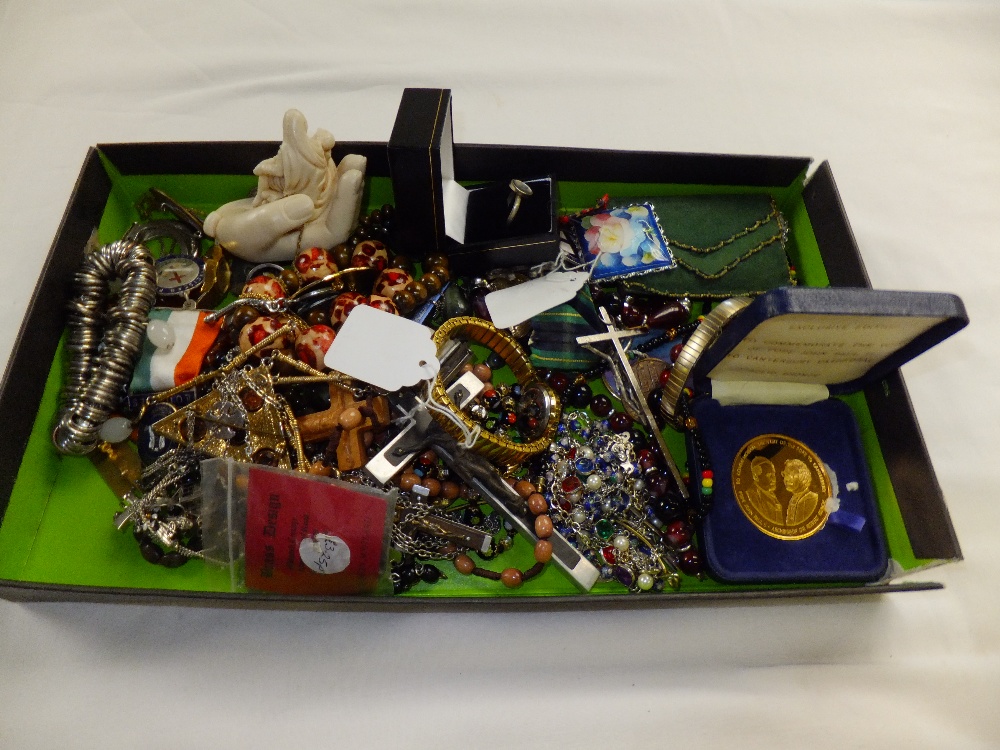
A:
[326,554]
[516,304]
[383,349]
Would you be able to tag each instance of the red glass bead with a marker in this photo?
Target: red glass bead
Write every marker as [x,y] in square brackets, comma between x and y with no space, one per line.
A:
[601,406]
[657,483]
[608,553]
[669,315]
[664,377]
[632,315]
[619,421]
[571,484]
[559,382]
[707,474]
[675,352]
[690,562]
[678,533]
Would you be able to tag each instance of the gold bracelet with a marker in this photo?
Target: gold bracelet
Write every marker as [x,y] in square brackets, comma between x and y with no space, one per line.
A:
[703,337]
[499,449]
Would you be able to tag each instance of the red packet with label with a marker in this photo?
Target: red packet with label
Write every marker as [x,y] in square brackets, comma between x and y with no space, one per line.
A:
[295,533]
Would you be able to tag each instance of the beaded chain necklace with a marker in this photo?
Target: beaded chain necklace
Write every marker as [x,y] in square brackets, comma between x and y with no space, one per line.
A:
[599,499]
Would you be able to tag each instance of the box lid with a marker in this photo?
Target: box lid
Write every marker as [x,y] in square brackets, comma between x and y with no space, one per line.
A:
[421,159]
[842,338]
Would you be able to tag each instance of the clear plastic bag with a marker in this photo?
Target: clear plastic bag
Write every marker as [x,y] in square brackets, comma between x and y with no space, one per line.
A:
[292,533]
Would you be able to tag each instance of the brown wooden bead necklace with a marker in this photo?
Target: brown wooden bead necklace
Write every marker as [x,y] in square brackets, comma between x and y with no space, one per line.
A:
[512,578]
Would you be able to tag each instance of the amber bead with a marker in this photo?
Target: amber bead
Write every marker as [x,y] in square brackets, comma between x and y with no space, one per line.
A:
[401,261]
[543,526]
[419,290]
[437,259]
[433,283]
[524,488]
[213,359]
[405,301]
[290,280]
[342,255]
[194,430]
[464,564]
[483,372]
[432,485]
[407,481]
[450,490]
[543,550]
[318,317]
[511,578]
[252,400]
[243,316]
[440,271]
[537,504]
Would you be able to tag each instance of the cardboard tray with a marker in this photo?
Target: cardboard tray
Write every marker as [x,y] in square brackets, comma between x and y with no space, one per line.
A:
[57,541]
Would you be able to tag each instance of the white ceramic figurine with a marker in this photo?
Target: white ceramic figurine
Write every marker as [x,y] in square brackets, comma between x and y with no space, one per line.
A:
[303,199]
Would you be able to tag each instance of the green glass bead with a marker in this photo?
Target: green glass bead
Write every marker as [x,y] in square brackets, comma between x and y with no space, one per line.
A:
[605,529]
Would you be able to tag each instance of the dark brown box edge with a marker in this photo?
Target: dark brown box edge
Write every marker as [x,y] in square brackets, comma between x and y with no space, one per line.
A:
[921,501]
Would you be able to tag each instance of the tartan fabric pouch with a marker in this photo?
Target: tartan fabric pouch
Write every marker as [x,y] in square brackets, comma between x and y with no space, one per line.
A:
[554,332]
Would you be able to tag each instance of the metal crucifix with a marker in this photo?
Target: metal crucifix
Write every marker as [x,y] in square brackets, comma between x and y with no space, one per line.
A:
[629,384]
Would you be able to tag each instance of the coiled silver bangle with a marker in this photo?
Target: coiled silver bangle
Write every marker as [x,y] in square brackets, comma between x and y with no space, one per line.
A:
[100,366]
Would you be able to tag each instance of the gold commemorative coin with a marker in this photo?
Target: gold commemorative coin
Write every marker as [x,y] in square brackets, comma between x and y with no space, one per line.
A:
[781,486]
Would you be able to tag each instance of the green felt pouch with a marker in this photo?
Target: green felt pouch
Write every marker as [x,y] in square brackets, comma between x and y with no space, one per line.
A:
[724,246]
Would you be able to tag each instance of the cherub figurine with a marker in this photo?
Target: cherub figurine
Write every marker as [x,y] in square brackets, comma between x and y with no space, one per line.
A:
[303,199]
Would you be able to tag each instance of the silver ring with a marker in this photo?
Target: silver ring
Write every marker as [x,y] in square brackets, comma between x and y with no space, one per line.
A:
[520,190]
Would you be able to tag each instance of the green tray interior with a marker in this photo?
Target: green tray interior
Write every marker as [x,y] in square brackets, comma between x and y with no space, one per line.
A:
[58,525]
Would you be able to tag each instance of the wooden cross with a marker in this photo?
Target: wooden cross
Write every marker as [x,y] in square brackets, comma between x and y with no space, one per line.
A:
[325,425]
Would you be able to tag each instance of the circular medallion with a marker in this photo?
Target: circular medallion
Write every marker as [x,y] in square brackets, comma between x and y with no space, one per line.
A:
[534,409]
[647,371]
[178,274]
[781,486]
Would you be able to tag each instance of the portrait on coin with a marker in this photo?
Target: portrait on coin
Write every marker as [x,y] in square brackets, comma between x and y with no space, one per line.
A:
[762,495]
[797,480]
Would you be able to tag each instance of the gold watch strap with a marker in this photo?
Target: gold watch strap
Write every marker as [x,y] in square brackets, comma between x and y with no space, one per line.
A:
[703,337]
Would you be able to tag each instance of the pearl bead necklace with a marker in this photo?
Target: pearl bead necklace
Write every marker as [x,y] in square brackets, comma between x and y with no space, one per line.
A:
[598,499]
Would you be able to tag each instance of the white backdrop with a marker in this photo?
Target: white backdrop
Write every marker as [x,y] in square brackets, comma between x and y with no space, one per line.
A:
[902,97]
